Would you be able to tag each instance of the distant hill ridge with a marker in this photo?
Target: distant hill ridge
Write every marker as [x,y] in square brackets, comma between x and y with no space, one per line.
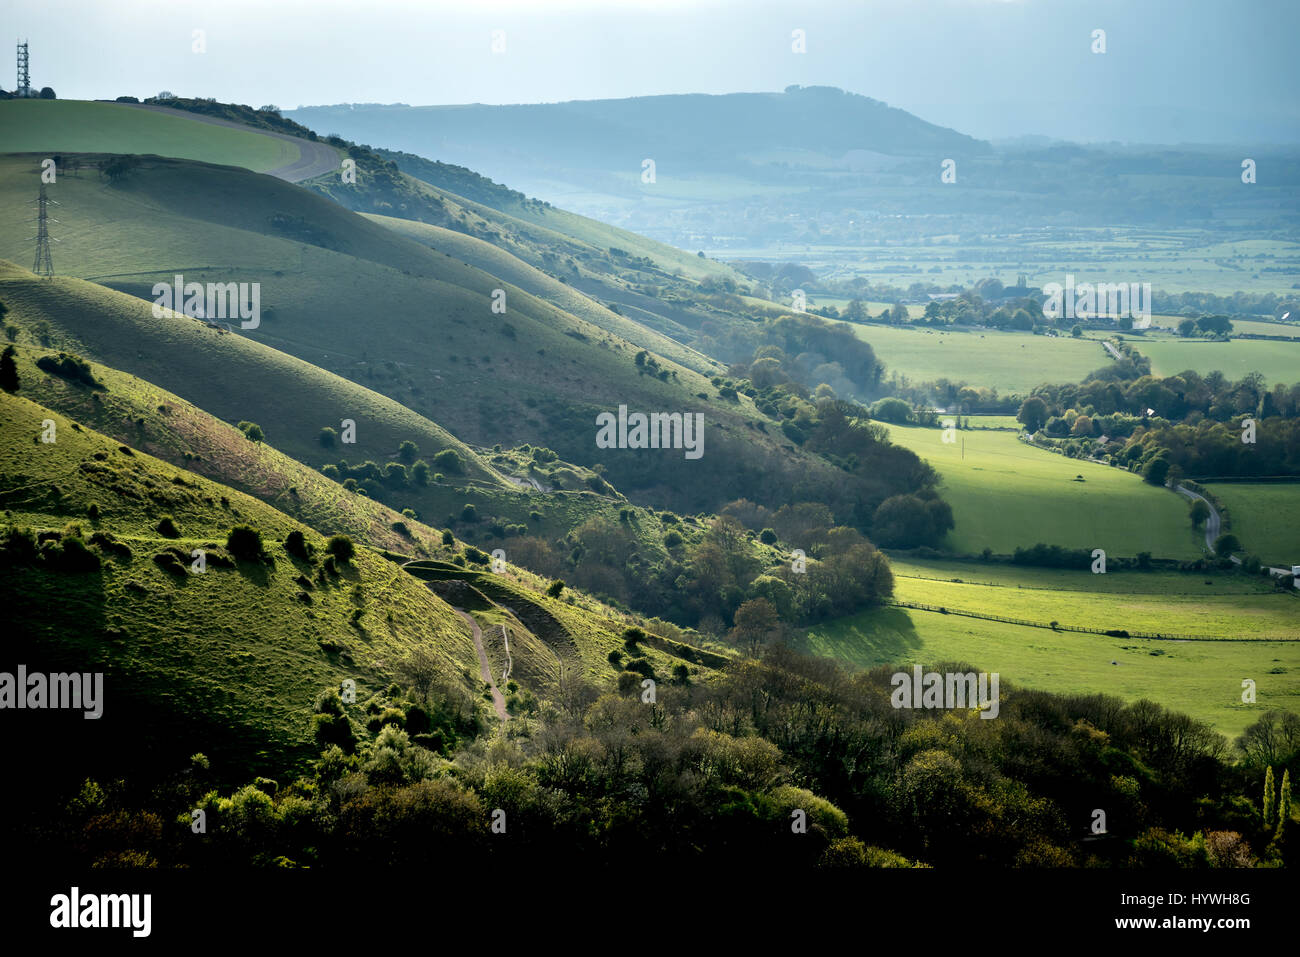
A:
[700,127]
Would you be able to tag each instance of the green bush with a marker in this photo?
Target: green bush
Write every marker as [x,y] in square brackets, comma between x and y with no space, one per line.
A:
[341,547]
[555,588]
[166,527]
[295,543]
[449,460]
[244,542]
[252,431]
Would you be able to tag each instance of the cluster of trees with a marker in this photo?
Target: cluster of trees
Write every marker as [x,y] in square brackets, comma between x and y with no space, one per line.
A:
[787,760]
[1192,423]
[804,349]
[704,582]
[1206,327]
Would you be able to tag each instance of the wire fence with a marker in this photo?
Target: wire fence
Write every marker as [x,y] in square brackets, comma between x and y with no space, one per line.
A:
[1109,632]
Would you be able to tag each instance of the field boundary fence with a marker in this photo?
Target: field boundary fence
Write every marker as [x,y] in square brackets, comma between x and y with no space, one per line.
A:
[1083,629]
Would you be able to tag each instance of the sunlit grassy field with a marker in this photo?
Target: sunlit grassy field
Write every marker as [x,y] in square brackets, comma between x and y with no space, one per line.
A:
[1005,493]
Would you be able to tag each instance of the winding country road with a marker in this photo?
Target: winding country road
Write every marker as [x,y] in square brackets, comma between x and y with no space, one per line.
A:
[485,670]
[314,158]
[1212,524]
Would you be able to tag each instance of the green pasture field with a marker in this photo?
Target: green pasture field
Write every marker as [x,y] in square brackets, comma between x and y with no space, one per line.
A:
[1202,679]
[1011,362]
[1005,493]
[1276,361]
[1214,605]
[1265,516]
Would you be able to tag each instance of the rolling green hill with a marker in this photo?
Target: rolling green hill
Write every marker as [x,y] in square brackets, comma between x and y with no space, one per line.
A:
[534,375]
[78,126]
[241,673]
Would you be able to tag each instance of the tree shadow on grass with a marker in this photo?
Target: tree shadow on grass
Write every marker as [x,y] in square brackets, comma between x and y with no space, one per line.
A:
[876,637]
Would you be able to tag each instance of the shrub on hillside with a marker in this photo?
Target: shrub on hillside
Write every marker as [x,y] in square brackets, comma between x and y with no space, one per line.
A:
[449,460]
[295,543]
[244,542]
[341,548]
[252,431]
[166,527]
[68,366]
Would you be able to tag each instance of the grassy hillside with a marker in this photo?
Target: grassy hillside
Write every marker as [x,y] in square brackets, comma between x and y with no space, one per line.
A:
[232,658]
[233,377]
[497,261]
[78,126]
[1005,493]
[150,419]
[535,374]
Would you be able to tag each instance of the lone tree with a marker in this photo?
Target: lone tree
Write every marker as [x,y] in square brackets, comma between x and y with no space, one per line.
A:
[252,430]
[1157,470]
[341,547]
[1033,414]
[1199,512]
[244,542]
[1226,544]
[8,371]
[555,588]
[756,623]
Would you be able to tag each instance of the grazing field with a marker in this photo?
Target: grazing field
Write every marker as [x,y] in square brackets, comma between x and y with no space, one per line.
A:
[1005,493]
[1275,361]
[1201,678]
[1206,604]
[1011,362]
[1265,516]
[76,126]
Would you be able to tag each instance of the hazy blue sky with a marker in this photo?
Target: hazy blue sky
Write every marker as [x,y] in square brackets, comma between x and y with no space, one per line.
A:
[1174,70]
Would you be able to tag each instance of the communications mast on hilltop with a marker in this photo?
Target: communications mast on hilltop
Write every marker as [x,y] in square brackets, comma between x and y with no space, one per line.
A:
[24,74]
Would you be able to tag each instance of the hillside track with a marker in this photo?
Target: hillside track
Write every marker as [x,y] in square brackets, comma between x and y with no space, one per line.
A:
[485,669]
[314,158]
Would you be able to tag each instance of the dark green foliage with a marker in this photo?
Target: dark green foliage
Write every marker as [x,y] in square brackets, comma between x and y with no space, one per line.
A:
[166,527]
[295,543]
[252,431]
[469,513]
[555,588]
[449,460]
[8,370]
[245,543]
[69,366]
[341,548]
